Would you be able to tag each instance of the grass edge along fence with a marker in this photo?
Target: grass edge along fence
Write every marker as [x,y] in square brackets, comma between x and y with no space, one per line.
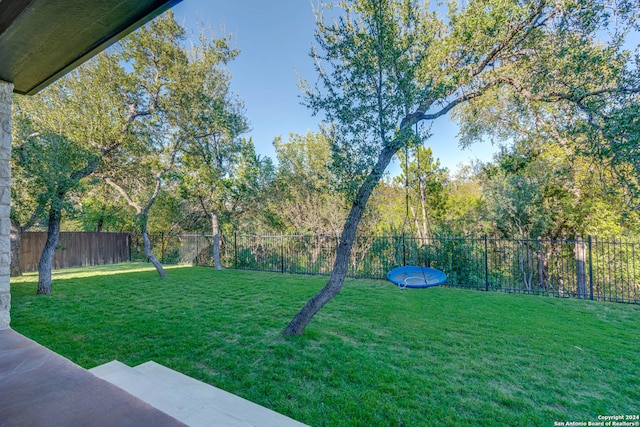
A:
[591,268]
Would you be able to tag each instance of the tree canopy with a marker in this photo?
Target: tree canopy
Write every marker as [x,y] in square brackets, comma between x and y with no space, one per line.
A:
[148,136]
[385,65]
[128,117]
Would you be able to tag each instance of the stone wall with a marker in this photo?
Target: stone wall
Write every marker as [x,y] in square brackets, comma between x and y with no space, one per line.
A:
[6,91]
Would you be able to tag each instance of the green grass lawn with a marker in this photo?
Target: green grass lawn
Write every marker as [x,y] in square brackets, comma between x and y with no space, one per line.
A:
[374,356]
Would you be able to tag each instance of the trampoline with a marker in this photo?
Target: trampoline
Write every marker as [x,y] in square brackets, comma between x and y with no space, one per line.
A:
[416,277]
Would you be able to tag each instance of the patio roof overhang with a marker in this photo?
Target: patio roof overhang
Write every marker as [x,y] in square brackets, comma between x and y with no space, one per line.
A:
[41,40]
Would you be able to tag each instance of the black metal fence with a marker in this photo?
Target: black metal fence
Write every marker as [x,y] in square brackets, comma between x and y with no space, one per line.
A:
[591,268]
[167,247]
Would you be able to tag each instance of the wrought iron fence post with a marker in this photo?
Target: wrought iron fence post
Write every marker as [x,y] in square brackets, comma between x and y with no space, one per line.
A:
[281,252]
[486,263]
[197,248]
[235,250]
[590,269]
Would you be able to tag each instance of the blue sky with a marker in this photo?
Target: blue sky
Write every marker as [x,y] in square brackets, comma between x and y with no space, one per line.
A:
[274,38]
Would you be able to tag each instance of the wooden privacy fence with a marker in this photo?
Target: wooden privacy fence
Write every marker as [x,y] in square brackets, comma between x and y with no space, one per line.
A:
[75,249]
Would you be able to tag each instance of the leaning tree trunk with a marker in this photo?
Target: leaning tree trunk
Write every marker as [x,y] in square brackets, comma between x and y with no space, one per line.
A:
[215,229]
[46,259]
[16,239]
[150,256]
[341,264]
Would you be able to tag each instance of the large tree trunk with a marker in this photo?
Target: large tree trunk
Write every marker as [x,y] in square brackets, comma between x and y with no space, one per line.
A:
[16,239]
[215,229]
[542,269]
[581,267]
[341,264]
[46,259]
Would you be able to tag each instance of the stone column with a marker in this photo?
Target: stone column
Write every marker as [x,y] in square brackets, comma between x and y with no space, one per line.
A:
[6,91]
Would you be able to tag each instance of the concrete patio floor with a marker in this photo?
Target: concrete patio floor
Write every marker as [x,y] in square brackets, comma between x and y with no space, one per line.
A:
[41,388]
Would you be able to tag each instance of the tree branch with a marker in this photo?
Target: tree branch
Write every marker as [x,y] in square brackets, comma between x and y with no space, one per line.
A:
[124,194]
[557,96]
[420,114]
[530,22]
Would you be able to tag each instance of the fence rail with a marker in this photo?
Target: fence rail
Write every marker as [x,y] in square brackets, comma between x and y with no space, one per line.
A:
[598,269]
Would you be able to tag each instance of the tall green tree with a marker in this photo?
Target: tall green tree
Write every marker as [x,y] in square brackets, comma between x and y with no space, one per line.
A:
[465,208]
[124,117]
[612,136]
[588,102]
[212,137]
[385,65]
[220,178]
[140,180]
[249,191]
[27,205]
[185,86]
[63,135]
[425,184]
[305,183]
[55,165]
[550,190]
